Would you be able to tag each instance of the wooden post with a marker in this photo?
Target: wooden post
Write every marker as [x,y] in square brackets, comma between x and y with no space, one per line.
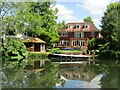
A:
[33,47]
[40,47]
[43,47]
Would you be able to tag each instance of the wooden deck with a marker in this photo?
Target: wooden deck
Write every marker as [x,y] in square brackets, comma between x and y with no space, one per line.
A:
[71,62]
[74,62]
[66,56]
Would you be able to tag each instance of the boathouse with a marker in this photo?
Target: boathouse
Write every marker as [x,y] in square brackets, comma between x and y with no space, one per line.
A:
[35,45]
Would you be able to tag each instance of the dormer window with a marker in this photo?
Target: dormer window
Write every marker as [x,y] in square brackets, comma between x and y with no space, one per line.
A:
[64,34]
[86,26]
[92,33]
[77,25]
[69,26]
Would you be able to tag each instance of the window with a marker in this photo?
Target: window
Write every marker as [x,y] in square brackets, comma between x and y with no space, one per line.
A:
[64,43]
[78,43]
[69,26]
[92,33]
[64,34]
[86,77]
[86,26]
[78,34]
[77,25]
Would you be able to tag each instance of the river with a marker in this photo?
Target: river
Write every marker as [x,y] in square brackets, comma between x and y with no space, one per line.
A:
[48,74]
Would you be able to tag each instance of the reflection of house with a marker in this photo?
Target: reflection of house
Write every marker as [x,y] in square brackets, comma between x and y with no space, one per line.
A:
[35,66]
[35,44]
[76,35]
[76,72]
[78,76]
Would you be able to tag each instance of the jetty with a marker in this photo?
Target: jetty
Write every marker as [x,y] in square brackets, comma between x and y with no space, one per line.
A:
[66,56]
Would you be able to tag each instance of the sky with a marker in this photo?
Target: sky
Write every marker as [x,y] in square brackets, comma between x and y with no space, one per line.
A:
[94,83]
[77,10]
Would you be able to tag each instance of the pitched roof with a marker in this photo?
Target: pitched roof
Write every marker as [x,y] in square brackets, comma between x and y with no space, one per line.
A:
[92,27]
[35,40]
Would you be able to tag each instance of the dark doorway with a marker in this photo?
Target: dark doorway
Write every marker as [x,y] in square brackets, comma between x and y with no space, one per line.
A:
[28,45]
[37,47]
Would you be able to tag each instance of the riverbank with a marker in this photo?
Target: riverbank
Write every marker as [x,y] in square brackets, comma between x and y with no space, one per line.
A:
[40,55]
[43,55]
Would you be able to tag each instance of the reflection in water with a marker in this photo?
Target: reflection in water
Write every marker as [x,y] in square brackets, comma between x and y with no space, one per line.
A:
[78,76]
[45,74]
[35,66]
[39,74]
[76,72]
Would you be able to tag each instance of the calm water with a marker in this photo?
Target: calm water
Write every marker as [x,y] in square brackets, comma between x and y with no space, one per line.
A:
[47,74]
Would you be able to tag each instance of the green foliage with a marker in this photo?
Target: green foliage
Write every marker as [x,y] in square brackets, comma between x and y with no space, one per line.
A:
[48,78]
[88,19]
[111,26]
[57,50]
[14,64]
[103,49]
[110,71]
[62,25]
[13,49]
[109,54]
[54,50]
[41,21]
[110,47]
[33,55]
[31,18]
[94,43]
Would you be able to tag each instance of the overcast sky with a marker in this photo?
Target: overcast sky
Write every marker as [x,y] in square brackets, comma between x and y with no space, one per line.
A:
[77,10]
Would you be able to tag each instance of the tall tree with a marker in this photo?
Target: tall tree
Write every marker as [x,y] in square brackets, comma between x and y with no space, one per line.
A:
[33,18]
[88,19]
[40,21]
[6,17]
[61,25]
[111,25]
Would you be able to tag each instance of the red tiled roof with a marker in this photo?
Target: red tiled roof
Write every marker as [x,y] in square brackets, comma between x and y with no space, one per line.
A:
[92,27]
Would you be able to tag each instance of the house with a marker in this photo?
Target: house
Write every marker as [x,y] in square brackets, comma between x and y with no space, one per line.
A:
[76,35]
[35,44]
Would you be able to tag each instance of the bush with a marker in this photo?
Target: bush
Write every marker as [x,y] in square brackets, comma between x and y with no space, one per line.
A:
[13,49]
[34,55]
[93,44]
[109,54]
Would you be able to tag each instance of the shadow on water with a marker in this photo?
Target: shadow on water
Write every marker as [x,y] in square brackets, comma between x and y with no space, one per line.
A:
[46,74]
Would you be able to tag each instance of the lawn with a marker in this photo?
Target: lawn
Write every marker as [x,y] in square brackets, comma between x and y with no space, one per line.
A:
[71,51]
[57,50]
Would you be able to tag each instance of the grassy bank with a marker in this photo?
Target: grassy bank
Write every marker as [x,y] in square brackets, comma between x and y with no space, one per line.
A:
[38,55]
[57,50]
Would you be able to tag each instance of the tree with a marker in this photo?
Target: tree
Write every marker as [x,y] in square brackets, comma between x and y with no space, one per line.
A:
[31,18]
[111,26]
[6,12]
[88,19]
[62,25]
[46,27]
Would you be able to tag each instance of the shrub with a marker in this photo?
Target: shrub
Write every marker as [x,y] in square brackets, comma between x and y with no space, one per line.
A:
[13,49]
[93,44]
[109,54]
[34,55]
